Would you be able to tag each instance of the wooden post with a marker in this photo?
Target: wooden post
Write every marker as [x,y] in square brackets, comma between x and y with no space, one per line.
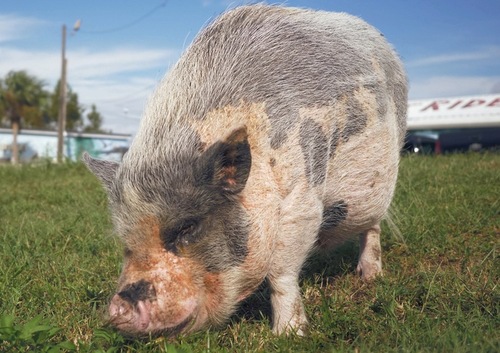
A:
[15,147]
[61,121]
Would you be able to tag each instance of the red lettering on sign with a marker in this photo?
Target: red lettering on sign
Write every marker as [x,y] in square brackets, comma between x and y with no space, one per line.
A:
[434,105]
[454,105]
[461,104]
[474,103]
[494,103]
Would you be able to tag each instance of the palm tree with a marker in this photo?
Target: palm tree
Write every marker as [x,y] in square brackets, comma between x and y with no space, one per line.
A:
[74,117]
[21,96]
[95,120]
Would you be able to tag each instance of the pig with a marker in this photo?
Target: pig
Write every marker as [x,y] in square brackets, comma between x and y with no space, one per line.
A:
[277,133]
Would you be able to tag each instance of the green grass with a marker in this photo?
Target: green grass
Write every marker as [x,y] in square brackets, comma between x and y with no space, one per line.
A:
[59,264]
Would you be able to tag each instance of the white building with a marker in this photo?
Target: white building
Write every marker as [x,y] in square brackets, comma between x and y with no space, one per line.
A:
[42,144]
[453,124]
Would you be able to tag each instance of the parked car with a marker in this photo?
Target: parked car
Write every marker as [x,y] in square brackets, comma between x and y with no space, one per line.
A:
[452,140]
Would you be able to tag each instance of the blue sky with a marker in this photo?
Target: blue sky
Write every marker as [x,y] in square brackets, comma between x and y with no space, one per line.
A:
[124,47]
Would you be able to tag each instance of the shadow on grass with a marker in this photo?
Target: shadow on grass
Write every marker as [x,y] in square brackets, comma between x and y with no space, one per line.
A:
[322,265]
[327,264]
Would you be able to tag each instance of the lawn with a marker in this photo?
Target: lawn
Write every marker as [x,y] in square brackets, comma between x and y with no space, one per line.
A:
[59,263]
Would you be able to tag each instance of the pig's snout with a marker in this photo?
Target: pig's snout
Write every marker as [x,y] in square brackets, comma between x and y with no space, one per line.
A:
[127,315]
[140,309]
[130,308]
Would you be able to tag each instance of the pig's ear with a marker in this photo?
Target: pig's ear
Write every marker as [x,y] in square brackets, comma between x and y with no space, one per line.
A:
[226,164]
[104,170]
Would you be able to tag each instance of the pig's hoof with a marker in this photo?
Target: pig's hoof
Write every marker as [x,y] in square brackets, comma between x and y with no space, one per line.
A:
[369,270]
[292,328]
[297,324]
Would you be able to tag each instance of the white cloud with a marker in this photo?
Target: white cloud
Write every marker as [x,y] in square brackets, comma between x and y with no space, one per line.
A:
[449,86]
[14,27]
[118,80]
[448,80]
[120,102]
[119,60]
[96,77]
[84,63]
[489,53]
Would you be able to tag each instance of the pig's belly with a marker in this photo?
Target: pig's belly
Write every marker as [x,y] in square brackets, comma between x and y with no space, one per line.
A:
[361,178]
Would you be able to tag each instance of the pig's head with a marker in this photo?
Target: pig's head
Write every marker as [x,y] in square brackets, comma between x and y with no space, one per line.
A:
[178,210]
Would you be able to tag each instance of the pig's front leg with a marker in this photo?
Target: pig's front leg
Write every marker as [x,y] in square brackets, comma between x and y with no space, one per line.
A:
[286,302]
[301,216]
[370,254]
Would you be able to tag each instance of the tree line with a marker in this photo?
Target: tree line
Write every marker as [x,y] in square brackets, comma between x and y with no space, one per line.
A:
[26,103]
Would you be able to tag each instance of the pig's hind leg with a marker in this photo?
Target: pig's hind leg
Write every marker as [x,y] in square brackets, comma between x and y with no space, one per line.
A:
[370,254]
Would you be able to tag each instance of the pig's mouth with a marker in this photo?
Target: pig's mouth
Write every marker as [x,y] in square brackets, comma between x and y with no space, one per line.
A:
[174,331]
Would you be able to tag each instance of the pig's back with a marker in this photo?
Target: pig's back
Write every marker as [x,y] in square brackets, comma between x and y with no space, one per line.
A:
[288,59]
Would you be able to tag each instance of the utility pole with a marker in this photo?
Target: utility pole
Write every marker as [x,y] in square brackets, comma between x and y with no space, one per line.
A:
[61,121]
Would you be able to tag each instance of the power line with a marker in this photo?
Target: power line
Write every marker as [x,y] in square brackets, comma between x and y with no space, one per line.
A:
[130,24]
[129,96]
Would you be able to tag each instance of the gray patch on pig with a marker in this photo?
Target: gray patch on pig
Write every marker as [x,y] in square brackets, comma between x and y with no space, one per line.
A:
[152,174]
[381,100]
[378,89]
[356,119]
[315,149]
[333,215]
[400,98]
[334,141]
[217,239]
[396,89]
[199,145]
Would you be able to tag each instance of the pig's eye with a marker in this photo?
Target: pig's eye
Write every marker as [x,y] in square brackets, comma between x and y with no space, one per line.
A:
[177,238]
[186,229]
